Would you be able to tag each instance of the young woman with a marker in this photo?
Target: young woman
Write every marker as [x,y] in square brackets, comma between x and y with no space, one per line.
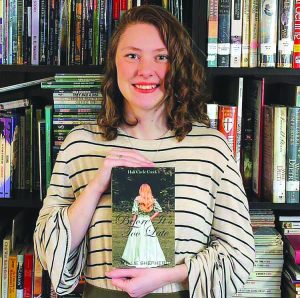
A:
[152,115]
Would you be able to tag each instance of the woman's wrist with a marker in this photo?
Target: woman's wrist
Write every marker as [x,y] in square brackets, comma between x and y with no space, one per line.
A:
[176,274]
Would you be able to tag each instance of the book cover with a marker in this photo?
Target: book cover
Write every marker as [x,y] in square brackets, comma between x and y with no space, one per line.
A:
[228,125]
[143,220]
[285,33]
[293,155]
[296,57]
[223,56]
[293,245]
[268,32]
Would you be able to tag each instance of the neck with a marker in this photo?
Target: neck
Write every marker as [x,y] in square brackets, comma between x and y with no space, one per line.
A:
[149,126]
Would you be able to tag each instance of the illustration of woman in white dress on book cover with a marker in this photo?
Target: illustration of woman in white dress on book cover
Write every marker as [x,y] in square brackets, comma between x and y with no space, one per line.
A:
[143,248]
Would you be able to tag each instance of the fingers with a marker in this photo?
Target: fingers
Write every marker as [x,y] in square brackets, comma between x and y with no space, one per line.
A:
[121,273]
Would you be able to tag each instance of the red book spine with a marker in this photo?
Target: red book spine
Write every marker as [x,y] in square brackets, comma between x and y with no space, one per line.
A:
[28,275]
[123,5]
[228,125]
[296,60]
[116,10]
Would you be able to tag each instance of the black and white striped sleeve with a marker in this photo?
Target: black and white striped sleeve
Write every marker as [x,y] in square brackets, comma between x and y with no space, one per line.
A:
[52,235]
[224,266]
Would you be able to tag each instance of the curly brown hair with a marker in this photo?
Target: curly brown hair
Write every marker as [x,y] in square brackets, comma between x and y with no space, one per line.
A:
[184,83]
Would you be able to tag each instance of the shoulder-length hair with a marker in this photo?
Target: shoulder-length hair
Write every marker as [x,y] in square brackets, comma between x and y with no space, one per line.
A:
[184,82]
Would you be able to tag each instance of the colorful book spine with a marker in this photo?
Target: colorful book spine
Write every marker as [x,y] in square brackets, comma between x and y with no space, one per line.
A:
[1,31]
[285,33]
[245,33]
[20,30]
[268,33]
[294,247]
[12,276]
[253,37]
[223,57]
[2,157]
[37,278]
[28,275]
[5,265]
[20,275]
[212,43]
[236,33]
[7,172]
[48,136]
[296,60]
[35,32]
[292,155]
[228,125]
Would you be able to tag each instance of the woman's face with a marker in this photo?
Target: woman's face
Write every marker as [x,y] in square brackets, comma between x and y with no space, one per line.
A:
[142,63]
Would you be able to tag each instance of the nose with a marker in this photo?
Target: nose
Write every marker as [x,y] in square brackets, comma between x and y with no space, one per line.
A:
[145,68]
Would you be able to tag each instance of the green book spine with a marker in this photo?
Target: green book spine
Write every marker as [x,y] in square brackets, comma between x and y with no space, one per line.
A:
[48,136]
[293,155]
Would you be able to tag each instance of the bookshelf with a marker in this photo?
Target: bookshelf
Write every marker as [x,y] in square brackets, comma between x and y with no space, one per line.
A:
[271,75]
[13,74]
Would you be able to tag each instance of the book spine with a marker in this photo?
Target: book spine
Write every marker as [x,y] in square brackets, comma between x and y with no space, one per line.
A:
[20,103]
[5,268]
[212,43]
[37,279]
[212,113]
[292,155]
[78,101]
[22,152]
[103,30]
[280,118]
[20,276]
[285,33]
[51,50]
[77,106]
[296,60]
[78,24]
[43,32]
[48,136]
[239,121]
[12,277]
[20,30]
[224,33]
[28,275]
[228,125]
[35,32]
[5,33]
[13,36]
[268,33]
[2,157]
[253,37]
[245,33]
[290,225]
[7,172]
[1,31]
[96,32]
[236,33]
[258,103]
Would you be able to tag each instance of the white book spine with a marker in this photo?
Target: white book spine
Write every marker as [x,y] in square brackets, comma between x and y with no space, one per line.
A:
[236,33]
[239,121]
[279,154]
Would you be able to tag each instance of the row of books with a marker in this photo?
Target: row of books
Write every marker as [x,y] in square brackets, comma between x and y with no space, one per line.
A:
[253,33]
[63,32]
[264,137]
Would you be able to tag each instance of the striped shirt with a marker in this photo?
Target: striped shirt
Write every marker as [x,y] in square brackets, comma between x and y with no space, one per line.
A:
[213,235]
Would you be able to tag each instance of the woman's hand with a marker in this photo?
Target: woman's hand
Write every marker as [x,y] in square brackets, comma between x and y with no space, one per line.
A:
[118,158]
[141,282]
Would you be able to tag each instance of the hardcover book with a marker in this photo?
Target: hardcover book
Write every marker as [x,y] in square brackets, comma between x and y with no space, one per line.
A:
[143,218]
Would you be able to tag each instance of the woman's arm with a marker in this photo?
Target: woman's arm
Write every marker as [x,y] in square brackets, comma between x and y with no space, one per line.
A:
[154,215]
[82,210]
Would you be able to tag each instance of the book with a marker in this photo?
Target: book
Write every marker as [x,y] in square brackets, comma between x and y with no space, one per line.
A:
[212,42]
[253,33]
[227,125]
[293,246]
[143,227]
[18,103]
[274,153]
[245,33]
[212,113]
[296,56]
[293,155]
[268,33]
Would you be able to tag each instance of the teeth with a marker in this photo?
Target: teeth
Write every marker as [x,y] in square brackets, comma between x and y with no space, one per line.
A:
[145,87]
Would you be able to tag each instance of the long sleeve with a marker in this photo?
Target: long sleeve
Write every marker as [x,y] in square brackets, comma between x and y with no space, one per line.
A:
[224,266]
[52,236]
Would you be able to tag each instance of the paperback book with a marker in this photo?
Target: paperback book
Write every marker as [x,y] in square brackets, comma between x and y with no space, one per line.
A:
[143,217]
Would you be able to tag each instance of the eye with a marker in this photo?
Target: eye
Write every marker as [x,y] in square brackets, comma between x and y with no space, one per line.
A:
[163,57]
[132,56]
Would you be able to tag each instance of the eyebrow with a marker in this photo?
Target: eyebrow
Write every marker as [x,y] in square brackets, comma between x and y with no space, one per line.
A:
[137,49]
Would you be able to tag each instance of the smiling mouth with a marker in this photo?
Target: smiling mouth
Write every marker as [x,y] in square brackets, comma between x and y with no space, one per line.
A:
[145,87]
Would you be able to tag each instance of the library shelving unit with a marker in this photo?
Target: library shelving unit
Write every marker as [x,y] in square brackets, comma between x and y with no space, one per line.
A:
[271,75]
[14,74]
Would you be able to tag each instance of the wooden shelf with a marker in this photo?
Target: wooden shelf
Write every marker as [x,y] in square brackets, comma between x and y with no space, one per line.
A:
[52,68]
[256,72]
[22,199]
